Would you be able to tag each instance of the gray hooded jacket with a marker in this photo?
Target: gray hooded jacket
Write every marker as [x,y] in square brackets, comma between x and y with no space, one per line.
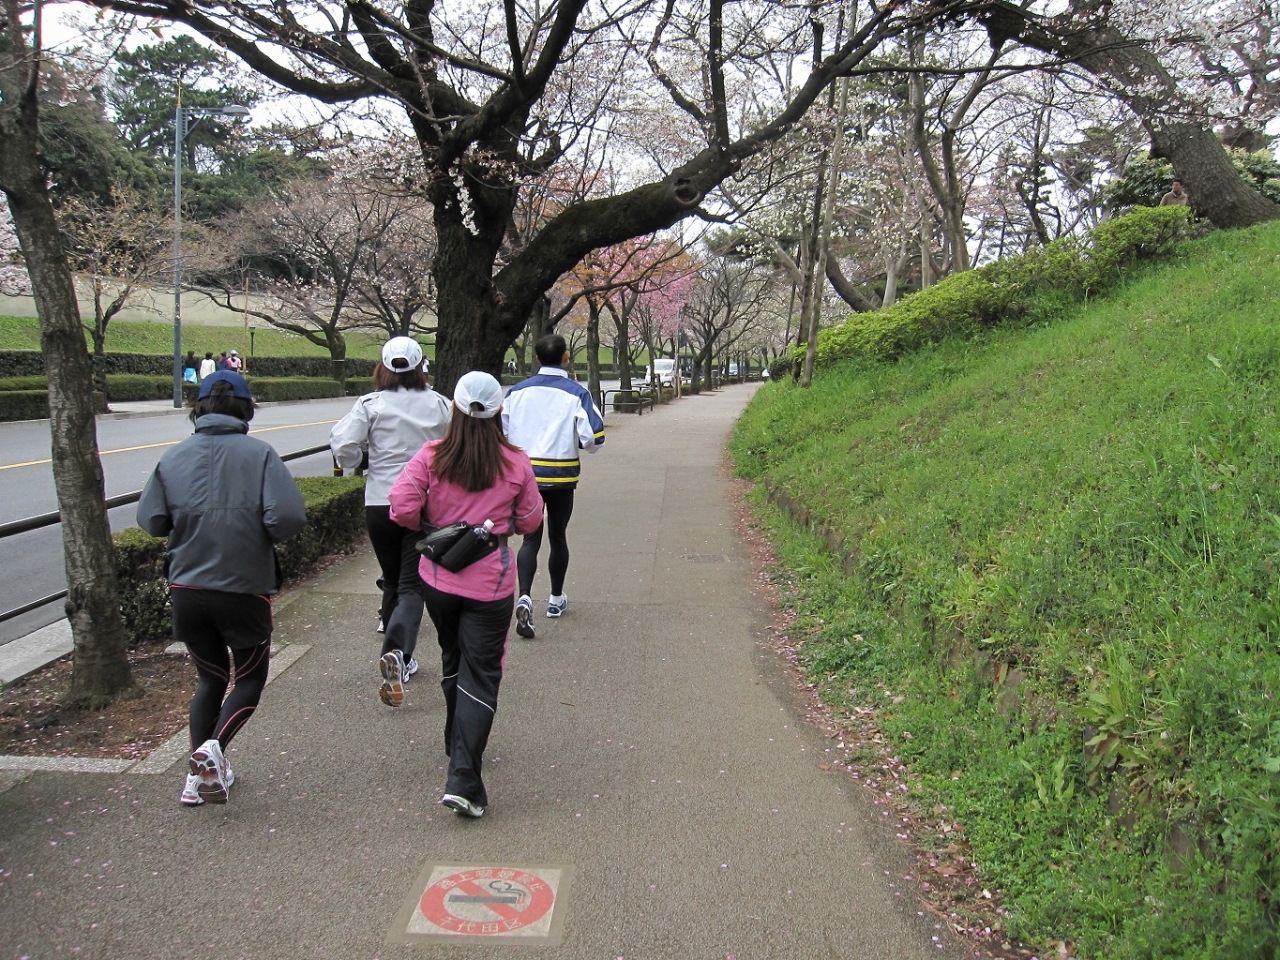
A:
[223,499]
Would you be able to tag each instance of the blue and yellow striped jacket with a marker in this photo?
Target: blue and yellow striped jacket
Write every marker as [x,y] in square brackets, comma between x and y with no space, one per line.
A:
[552,418]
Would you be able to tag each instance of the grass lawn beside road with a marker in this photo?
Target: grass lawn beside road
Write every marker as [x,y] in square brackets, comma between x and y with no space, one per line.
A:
[126,336]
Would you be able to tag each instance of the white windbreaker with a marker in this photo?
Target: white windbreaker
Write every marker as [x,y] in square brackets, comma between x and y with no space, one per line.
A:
[392,425]
[551,418]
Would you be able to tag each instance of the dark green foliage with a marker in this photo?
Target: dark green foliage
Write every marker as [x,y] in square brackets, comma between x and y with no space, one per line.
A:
[335,521]
[266,390]
[24,405]
[144,592]
[29,382]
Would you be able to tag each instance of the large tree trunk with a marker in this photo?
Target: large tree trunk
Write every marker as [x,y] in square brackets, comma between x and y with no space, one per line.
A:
[1217,191]
[101,666]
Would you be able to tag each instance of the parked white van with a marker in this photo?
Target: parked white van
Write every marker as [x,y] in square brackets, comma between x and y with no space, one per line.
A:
[664,369]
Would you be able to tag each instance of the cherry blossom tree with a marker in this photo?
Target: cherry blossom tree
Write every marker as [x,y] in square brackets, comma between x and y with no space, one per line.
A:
[498,95]
[1182,69]
[115,249]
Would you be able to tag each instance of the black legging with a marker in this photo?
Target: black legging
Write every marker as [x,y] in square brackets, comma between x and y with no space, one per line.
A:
[473,645]
[209,622]
[559,504]
[393,545]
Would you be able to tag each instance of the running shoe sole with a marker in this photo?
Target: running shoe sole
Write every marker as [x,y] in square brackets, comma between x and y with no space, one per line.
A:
[212,788]
[524,626]
[392,691]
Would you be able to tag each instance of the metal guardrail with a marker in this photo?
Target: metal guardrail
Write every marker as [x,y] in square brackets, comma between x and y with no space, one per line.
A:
[645,395]
[49,519]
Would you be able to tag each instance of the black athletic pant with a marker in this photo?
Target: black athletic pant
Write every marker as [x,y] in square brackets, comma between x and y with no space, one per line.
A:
[559,504]
[473,644]
[401,585]
[209,622]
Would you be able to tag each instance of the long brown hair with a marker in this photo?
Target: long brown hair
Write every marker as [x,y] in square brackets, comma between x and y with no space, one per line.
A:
[470,455]
[386,379]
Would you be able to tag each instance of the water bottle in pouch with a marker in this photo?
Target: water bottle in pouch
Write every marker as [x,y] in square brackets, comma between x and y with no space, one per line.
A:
[478,542]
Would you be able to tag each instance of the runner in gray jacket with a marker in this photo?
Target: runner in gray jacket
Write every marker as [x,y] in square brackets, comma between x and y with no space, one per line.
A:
[223,499]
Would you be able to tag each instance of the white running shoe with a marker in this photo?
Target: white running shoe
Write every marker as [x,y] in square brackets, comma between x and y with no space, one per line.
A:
[556,606]
[210,769]
[524,617]
[191,792]
[462,806]
[410,669]
[392,690]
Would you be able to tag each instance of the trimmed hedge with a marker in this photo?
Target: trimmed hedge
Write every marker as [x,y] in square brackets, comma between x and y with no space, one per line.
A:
[33,405]
[335,521]
[24,405]
[1033,287]
[29,382]
[267,390]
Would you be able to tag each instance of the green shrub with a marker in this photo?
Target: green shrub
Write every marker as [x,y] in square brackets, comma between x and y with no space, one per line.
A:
[144,592]
[1034,287]
[267,390]
[132,387]
[28,382]
[359,386]
[24,405]
[1149,233]
[335,521]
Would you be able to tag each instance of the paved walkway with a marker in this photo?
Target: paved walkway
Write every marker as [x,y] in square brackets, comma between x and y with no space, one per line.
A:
[653,794]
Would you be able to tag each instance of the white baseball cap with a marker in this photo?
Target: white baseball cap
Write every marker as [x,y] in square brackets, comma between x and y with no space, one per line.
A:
[401,354]
[478,394]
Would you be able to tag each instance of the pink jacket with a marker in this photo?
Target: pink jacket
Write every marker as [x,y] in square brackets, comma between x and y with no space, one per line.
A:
[512,503]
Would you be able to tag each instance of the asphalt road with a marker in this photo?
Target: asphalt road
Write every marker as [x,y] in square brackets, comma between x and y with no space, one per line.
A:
[31,564]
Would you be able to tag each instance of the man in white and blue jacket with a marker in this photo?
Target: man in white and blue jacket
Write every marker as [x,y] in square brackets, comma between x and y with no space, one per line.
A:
[552,418]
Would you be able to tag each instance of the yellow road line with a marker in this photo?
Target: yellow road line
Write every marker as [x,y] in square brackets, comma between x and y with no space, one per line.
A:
[167,443]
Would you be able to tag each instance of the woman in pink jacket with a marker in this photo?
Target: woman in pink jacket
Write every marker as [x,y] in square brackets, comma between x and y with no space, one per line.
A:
[473,474]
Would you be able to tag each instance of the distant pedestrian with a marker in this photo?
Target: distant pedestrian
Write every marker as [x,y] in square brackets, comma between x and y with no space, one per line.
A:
[222,361]
[1176,197]
[190,368]
[223,499]
[551,417]
[475,475]
[233,362]
[383,430]
[208,366]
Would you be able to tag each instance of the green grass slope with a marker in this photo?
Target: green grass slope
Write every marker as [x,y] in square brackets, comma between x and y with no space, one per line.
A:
[1061,594]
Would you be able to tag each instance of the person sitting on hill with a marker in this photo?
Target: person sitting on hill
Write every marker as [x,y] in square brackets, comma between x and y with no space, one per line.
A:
[1176,197]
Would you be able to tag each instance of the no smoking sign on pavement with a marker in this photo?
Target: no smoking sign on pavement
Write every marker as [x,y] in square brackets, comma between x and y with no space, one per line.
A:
[492,903]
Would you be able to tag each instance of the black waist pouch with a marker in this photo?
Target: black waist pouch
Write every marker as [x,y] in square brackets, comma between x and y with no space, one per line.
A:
[453,547]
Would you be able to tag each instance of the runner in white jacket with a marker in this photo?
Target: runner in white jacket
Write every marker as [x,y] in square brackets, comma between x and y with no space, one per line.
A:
[390,425]
[552,418]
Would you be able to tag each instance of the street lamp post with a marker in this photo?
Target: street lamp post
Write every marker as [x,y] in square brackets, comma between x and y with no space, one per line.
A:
[181,116]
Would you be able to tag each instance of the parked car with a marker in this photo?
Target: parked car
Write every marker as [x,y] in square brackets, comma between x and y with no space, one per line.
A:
[664,369]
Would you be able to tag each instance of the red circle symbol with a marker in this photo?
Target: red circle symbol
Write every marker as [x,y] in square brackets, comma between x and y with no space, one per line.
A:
[487,902]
